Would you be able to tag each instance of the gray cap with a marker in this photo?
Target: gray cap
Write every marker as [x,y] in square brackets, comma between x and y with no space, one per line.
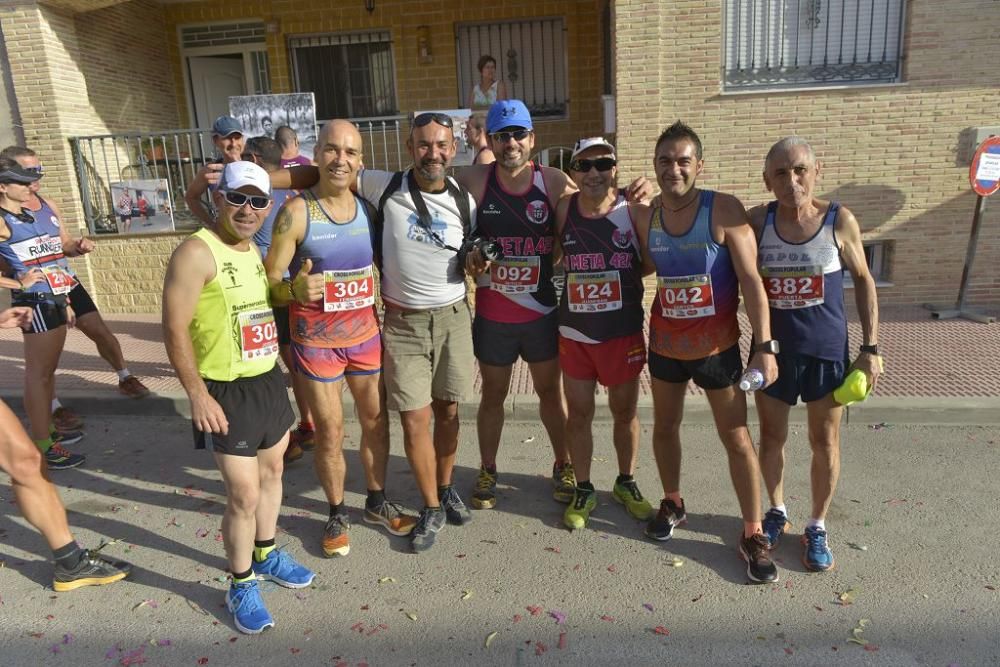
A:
[18,174]
[225,126]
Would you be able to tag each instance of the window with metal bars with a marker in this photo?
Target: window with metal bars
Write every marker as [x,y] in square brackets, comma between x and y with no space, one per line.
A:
[351,74]
[530,56]
[807,43]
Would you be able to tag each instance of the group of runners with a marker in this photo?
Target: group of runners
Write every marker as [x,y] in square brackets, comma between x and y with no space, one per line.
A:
[335,239]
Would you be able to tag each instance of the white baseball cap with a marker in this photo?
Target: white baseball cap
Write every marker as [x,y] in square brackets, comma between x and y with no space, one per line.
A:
[238,175]
[592,142]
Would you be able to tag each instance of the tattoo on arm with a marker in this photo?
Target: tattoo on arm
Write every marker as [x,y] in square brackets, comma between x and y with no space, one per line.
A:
[284,221]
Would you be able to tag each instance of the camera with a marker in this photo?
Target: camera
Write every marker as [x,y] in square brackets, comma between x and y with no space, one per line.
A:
[490,250]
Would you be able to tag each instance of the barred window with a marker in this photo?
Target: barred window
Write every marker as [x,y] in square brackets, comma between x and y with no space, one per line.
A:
[802,43]
[531,60]
[351,74]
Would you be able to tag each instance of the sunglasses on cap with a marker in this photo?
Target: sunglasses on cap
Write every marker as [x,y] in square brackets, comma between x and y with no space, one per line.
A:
[426,118]
[35,170]
[602,164]
[504,137]
[238,199]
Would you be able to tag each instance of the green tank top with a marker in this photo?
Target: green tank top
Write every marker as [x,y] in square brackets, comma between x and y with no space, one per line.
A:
[233,329]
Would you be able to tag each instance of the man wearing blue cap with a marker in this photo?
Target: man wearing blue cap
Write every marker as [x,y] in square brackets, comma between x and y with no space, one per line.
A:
[804,244]
[227,135]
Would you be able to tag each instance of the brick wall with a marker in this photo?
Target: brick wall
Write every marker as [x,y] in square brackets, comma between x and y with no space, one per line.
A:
[132,271]
[889,152]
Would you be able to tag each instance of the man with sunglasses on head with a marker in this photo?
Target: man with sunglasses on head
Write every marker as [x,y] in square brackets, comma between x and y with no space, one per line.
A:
[600,322]
[704,251]
[229,141]
[88,317]
[323,238]
[221,339]
[266,153]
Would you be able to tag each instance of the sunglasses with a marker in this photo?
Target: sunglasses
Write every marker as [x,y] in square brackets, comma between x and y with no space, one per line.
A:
[504,137]
[425,118]
[238,199]
[602,164]
[35,170]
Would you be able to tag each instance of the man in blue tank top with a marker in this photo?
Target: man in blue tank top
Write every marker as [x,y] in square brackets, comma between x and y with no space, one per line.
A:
[804,244]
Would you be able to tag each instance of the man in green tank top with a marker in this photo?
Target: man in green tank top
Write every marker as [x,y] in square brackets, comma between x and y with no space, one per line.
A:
[221,338]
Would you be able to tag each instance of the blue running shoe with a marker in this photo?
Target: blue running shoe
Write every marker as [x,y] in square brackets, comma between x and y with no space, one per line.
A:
[247,607]
[817,555]
[282,569]
[775,523]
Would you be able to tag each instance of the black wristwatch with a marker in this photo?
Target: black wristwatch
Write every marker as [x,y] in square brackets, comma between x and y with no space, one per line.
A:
[767,347]
[870,349]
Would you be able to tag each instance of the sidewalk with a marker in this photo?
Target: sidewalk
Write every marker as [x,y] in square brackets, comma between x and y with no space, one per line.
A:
[937,371]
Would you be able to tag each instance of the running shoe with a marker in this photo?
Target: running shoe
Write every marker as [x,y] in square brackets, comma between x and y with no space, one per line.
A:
[578,512]
[390,516]
[454,509]
[756,552]
[484,496]
[283,570]
[817,555]
[93,570]
[304,438]
[65,419]
[564,479]
[669,517]
[67,437]
[133,388]
[293,452]
[59,458]
[429,524]
[335,539]
[247,607]
[775,523]
[628,494]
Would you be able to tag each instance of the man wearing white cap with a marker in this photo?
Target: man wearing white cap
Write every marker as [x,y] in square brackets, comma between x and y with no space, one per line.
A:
[215,287]
[227,135]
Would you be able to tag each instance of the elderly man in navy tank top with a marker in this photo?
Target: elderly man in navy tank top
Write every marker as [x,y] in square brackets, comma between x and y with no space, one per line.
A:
[704,252]
[804,244]
[600,323]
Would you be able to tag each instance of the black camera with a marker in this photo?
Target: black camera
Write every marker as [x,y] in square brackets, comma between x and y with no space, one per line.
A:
[490,250]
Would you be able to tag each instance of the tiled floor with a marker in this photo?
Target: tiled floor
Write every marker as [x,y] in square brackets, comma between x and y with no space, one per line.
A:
[924,357]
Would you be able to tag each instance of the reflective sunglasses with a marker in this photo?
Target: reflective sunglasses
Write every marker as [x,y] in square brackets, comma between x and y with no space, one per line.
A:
[504,137]
[238,199]
[602,164]
[35,170]
[439,118]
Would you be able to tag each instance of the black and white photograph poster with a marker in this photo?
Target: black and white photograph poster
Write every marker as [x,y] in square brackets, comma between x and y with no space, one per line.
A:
[142,206]
[263,114]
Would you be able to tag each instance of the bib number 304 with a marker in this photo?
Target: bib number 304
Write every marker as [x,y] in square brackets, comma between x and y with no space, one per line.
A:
[348,290]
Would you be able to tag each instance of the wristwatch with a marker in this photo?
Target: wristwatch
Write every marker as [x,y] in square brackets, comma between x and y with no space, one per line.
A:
[870,349]
[767,347]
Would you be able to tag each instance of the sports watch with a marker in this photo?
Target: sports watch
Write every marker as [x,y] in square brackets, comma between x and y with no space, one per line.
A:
[767,347]
[870,349]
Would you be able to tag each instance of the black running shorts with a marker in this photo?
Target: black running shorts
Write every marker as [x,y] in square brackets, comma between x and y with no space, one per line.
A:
[48,311]
[717,371]
[80,301]
[501,343]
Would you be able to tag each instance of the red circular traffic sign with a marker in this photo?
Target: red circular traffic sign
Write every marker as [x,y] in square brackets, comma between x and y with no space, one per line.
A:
[984,172]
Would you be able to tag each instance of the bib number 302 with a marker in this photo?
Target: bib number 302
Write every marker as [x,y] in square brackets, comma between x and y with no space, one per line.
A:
[258,335]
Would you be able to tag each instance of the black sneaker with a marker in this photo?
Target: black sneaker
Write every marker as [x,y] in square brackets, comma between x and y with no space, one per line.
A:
[67,437]
[757,554]
[429,524]
[455,510]
[661,527]
[60,458]
[93,570]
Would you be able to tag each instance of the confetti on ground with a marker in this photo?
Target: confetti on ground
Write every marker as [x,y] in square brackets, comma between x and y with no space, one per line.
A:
[535,611]
[466,595]
[847,597]
[201,532]
[700,596]
[675,562]
[647,606]
[554,550]
[517,618]
[859,547]
[540,648]
[386,580]
[528,439]
[489,639]
[562,641]
[609,619]
[147,603]
[660,630]
[612,569]
[411,615]
[558,615]
[880,426]
[856,637]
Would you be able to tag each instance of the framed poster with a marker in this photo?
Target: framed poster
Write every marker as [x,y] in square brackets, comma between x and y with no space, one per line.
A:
[459,117]
[141,207]
[263,114]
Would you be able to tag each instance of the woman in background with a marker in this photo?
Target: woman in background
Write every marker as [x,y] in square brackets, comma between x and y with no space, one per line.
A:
[489,89]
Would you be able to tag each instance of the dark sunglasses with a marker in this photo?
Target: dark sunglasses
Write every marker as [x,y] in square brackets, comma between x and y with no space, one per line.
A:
[504,137]
[439,118]
[35,170]
[602,164]
[238,199]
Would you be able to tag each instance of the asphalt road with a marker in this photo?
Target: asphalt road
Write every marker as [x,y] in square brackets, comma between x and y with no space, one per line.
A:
[913,528]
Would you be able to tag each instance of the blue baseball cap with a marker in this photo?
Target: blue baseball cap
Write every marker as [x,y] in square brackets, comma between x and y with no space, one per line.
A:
[226,125]
[508,113]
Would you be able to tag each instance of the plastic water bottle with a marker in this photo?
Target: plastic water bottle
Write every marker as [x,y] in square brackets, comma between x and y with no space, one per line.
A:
[752,380]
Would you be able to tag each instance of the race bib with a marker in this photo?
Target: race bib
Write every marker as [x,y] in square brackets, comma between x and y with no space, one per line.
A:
[258,335]
[793,287]
[593,292]
[59,279]
[515,275]
[685,297]
[350,289]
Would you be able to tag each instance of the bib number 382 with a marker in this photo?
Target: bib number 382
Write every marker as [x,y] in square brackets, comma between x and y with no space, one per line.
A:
[594,292]
[348,290]
[684,297]
[258,335]
[788,289]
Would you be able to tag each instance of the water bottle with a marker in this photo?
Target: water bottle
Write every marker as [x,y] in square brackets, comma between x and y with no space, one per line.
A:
[752,380]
